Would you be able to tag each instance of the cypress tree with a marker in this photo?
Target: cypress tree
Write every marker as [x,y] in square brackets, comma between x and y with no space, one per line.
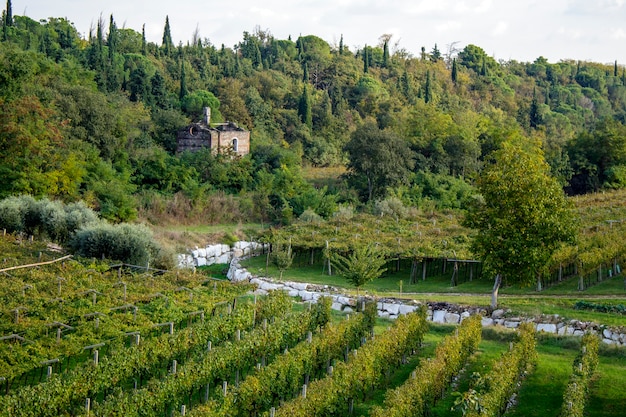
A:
[406,85]
[305,76]
[534,117]
[112,39]
[8,17]
[365,60]
[423,54]
[483,68]
[144,45]
[183,81]
[428,94]
[386,54]
[454,71]
[167,37]
[258,60]
[300,47]
[304,107]
[435,54]
[615,69]
[158,90]
[341,45]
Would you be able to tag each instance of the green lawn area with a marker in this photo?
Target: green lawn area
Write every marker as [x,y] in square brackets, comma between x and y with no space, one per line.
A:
[608,390]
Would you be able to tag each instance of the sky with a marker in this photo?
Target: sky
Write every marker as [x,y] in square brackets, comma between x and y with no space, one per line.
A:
[521,30]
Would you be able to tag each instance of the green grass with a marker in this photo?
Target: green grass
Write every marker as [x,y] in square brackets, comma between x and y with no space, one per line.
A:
[608,390]
[215,228]
[541,393]
[434,336]
[488,352]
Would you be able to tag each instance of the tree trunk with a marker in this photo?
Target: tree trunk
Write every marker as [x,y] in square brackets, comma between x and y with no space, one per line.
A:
[494,292]
[539,285]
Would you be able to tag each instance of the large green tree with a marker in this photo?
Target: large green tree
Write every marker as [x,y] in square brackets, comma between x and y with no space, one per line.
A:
[522,218]
[378,159]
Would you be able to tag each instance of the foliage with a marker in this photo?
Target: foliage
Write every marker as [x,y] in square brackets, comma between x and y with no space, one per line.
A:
[604,308]
[496,387]
[363,265]
[215,366]
[420,392]
[378,160]
[129,243]
[352,379]
[522,218]
[577,390]
[49,218]
[282,258]
[281,378]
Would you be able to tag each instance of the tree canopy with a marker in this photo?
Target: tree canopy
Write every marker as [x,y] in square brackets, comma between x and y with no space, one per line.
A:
[522,217]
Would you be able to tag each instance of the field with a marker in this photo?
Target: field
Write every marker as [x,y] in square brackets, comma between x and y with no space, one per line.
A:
[84,336]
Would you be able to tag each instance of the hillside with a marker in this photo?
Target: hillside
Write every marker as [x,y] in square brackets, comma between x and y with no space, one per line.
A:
[95,119]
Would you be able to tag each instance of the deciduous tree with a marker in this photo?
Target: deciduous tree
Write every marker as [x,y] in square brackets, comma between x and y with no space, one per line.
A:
[379,158]
[523,217]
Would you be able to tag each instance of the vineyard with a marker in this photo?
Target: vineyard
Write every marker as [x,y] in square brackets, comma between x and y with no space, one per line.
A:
[86,337]
[430,243]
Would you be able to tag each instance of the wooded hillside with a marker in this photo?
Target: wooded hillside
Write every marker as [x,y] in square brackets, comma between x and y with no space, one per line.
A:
[95,120]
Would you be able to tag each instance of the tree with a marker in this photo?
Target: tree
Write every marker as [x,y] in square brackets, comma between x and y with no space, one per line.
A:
[167,38]
[282,259]
[522,218]
[363,265]
[428,89]
[8,17]
[144,45]
[365,59]
[304,107]
[379,158]
[386,54]
[455,70]
[183,81]
[435,54]
[534,115]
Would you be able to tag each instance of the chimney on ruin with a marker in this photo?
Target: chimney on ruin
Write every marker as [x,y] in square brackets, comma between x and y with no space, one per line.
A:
[207,116]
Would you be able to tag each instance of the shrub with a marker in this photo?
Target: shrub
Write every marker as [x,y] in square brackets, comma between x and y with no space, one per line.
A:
[49,218]
[130,243]
[12,214]
[391,206]
[310,216]
[52,219]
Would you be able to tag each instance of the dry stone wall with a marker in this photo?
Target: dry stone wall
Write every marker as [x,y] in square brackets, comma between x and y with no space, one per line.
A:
[444,313]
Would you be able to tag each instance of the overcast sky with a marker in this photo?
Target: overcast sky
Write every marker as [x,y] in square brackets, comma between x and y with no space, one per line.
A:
[522,30]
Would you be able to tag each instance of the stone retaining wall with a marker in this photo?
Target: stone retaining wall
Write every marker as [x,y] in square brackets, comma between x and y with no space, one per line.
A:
[437,312]
[219,254]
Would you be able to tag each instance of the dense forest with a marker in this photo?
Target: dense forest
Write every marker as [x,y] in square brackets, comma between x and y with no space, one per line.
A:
[95,120]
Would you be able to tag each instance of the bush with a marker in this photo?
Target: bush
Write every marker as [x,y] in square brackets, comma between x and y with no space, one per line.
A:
[12,215]
[129,243]
[310,216]
[391,206]
[48,218]
[52,220]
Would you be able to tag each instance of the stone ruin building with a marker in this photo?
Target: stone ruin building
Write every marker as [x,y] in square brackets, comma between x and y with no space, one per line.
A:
[219,137]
